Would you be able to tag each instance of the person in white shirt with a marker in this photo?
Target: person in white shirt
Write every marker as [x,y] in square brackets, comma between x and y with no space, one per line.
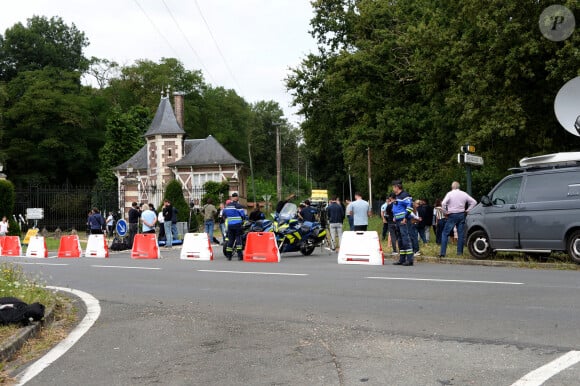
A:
[4,226]
[456,204]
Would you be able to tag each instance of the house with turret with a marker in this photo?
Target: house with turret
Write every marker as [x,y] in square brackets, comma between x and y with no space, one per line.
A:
[168,155]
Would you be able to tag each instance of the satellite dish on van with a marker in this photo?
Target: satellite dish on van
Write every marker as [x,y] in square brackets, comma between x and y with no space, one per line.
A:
[567,106]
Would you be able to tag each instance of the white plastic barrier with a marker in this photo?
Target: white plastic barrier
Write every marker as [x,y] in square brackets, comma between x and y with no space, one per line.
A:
[196,246]
[97,246]
[360,248]
[37,247]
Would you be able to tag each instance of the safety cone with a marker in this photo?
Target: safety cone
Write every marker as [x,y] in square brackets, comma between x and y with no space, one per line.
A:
[196,246]
[361,248]
[97,247]
[70,246]
[37,247]
[145,246]
[261,248]
[11,246]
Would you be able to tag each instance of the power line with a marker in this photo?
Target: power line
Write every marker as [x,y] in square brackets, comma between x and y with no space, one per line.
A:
[218,47]
[157,28]
[188,42]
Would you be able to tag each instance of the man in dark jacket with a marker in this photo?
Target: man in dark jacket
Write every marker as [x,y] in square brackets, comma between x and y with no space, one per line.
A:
[335,218]
[134,216]
[167,218]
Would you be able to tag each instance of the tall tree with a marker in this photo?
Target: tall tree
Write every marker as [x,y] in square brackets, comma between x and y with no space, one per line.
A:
[123,138]
[47,129]
[412,81]
[42,42]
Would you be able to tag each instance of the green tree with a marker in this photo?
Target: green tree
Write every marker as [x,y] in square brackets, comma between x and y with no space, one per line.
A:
[42,43]
[174,193]
[49,132]
[7,198]
[143,82]
[123,138]
[412,81]
[215,190]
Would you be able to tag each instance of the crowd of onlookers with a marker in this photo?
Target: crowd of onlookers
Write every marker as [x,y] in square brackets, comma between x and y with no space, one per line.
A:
[406,222]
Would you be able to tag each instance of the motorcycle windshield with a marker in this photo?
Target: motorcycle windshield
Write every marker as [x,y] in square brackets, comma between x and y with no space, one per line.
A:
[288,212]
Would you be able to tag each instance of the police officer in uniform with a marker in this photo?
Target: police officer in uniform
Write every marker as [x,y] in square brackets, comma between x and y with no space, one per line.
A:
[234,217]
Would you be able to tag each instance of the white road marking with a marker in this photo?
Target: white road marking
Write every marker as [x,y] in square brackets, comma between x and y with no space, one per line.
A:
[93,312]
[123,267]
[255,273]
[445,280]
[24,263]
[542,374]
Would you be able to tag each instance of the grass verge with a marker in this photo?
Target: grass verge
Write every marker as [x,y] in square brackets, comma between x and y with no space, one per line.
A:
[14,283]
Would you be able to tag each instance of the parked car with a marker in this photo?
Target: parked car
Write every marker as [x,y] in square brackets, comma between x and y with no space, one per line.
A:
[535,210]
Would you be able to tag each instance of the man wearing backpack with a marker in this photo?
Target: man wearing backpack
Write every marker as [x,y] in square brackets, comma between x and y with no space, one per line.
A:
[96,222]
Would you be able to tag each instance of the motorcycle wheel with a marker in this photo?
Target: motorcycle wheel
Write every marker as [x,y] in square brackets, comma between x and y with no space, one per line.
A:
[307,248]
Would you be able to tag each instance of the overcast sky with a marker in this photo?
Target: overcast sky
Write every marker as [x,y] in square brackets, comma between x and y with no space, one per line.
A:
[257,40]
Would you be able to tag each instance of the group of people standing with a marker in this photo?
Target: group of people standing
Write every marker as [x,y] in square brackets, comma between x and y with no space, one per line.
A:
[406,221]
[146,215]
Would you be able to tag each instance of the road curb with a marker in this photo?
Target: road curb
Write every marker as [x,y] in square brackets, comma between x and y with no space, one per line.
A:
[9,348]
[500,263]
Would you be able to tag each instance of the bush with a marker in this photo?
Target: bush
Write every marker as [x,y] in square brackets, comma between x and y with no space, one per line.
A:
[213,191]
[174,193]
[7,197]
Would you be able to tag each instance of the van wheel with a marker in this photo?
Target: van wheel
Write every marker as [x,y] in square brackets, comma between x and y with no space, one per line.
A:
[478,244]
[573,246]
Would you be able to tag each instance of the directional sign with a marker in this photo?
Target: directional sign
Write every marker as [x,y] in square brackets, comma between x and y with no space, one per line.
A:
[469,159]
[34,213]
[121,227]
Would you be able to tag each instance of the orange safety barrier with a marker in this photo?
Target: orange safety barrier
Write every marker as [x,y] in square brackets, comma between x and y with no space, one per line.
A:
[37,247]
[145,246]
[196,246]
[70,246]
[11,246]
[261,248]
[97,246]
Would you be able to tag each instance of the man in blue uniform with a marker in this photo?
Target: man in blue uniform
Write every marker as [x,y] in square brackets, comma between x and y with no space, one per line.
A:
[234,217]
[403,213]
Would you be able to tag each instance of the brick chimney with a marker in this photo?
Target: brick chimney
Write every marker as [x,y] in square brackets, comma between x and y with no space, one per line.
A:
[178,107]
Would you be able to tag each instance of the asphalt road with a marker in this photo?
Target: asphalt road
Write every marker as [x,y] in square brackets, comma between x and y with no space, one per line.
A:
[310,321]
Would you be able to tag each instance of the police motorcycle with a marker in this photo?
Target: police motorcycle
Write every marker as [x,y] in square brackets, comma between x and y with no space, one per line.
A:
[293,235]
[250,226]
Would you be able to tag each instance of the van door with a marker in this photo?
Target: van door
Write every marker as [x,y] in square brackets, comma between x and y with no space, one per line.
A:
[500,217]
[548,208]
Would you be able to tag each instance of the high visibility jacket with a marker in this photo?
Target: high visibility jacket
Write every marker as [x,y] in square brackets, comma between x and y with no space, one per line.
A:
[403,206]
[234,214]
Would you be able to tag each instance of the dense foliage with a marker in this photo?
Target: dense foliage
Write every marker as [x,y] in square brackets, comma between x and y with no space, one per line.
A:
[412,81]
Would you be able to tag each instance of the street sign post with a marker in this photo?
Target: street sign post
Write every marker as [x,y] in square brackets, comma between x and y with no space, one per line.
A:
[468,159]
[121,228]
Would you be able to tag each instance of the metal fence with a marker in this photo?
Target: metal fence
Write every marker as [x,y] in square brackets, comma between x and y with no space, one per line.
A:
[65,207]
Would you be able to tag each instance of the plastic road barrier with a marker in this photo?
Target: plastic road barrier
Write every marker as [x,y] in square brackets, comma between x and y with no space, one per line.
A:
[360,248]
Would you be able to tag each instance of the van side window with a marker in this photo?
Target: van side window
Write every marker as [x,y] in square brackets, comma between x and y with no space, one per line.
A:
[507,192]
[550,186]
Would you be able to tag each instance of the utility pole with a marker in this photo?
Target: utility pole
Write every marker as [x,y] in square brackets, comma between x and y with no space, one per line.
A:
[252,170]
[369,173]
[278,162]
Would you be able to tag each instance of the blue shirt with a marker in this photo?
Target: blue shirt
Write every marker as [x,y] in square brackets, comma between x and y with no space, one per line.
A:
[360,212]
[148,216]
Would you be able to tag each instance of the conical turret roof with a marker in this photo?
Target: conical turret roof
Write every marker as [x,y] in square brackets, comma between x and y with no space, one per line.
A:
[164,122]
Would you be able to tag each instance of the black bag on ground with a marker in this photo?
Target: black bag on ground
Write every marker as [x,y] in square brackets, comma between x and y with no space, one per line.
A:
[119,244]
[14,310]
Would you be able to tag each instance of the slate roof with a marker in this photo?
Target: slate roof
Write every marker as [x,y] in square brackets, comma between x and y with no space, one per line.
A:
[202,152]
[139,160]
[164,122]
